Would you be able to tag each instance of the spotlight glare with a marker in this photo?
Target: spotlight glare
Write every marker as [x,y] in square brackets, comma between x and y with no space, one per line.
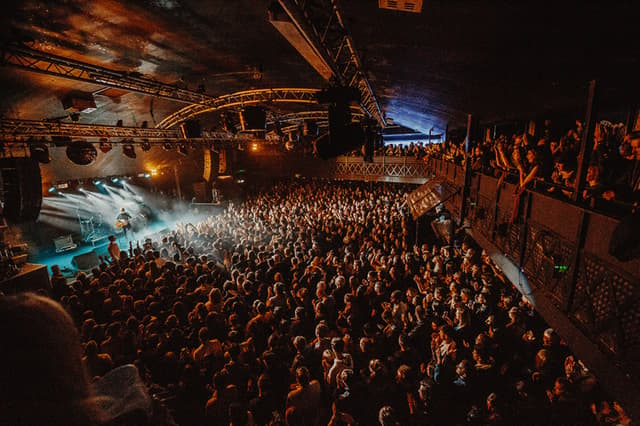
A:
[147,175]
[154,172]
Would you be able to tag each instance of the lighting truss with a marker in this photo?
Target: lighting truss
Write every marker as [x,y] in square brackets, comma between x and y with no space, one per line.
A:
[247,97]
[25,58]
[322,24]
[300,117]
[25,131]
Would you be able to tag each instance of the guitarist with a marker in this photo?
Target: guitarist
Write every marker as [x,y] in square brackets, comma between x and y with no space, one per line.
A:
[125,220]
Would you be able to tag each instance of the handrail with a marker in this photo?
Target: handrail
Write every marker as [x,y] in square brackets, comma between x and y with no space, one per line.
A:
[615,203]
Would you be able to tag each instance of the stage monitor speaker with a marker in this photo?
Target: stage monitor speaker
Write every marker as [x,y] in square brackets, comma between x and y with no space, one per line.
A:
[86,261]
[22,188]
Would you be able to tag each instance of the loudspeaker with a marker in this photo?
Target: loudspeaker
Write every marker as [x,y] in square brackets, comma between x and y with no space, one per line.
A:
[191,129]
[253,119]
[22,188]
[86,261]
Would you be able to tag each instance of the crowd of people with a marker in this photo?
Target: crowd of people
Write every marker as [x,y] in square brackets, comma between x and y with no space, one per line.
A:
[548,162]
[308,304]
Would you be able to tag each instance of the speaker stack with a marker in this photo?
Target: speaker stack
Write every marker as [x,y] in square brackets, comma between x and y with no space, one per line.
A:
[21,189]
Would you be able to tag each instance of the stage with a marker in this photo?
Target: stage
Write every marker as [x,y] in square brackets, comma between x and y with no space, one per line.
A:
[64,260]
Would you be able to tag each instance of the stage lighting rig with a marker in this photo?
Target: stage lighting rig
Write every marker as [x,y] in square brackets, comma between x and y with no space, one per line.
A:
[105,146]
[81,153]
[128,150]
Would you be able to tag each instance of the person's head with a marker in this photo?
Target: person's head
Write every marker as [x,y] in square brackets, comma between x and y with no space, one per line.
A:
[303,377]
[42,348]
[112,238]
[387,416]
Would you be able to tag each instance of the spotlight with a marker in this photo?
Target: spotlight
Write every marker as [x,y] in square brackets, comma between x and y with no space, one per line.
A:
[147,175]
[254,146]
[154,172]
[145,145]
[129,151]
[97,182]
[115,180]
[52,189]
[40,152]
[105,145]
[82,153]
[167,145]
[182,149]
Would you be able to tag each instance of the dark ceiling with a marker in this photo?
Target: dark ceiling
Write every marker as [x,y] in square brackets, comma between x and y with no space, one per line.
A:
[496,59]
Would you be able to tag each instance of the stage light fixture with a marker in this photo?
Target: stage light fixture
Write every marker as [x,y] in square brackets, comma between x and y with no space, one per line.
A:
[52,190]
[154,172]
[39,151]
[115,180]
[147,175]
[82,153]
[105,145]
[167,145]
[182,149]
[97,182]
[145,145]
[128,150]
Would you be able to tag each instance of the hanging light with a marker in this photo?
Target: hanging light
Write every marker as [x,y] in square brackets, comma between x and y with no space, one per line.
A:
[82,153]
[128,150]
[145,145]
[167,145]
[105,146]
[39,151]
[182,149]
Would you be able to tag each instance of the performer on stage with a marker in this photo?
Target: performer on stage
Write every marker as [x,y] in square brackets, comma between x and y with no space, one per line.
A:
[123,221]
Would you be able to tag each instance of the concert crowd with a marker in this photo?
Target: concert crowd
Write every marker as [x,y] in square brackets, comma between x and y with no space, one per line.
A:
[307,304]
[547,162]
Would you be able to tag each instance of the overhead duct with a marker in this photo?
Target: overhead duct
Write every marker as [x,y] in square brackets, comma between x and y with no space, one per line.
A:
[298,39]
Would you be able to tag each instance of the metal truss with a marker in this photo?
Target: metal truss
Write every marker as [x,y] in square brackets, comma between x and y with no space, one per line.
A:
[29,59]
[247,97]
[319,115]
[322,23]
[31,131]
